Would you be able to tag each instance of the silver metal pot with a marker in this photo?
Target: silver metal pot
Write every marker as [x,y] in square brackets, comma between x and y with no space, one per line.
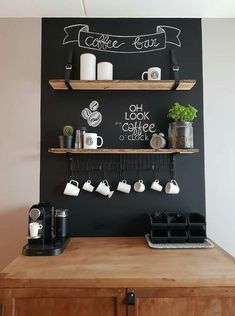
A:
[180,135]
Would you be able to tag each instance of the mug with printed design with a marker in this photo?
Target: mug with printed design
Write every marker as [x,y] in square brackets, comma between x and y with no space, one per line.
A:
[153,73]
[90,141]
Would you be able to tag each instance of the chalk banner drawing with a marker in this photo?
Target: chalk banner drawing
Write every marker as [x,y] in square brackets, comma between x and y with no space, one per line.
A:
[122,44]
[136,125]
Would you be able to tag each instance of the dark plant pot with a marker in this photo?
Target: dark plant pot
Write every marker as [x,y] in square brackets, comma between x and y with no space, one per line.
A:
[180,135]
[66,141]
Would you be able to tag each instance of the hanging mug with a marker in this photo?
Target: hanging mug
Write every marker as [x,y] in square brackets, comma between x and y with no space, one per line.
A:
[156,186]
[172,187]
[72,188]
[139,186]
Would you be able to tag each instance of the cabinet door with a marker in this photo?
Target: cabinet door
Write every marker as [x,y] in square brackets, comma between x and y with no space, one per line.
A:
[65,302]
[1,301]
[182,302]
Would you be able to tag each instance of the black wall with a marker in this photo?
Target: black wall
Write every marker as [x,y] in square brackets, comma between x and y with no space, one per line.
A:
[91,214]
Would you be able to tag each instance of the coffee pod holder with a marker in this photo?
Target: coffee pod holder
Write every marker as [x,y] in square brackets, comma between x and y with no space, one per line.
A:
[178,235]
[196,224]
[177,227]
[160,235]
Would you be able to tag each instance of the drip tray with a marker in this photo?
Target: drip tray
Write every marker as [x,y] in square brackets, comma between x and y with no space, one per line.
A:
[53,249]
[207,244]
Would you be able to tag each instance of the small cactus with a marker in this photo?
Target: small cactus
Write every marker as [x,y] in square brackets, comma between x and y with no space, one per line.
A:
[68,130]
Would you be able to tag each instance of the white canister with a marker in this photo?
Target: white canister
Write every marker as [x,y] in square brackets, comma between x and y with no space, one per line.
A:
[104,71]
[87,67]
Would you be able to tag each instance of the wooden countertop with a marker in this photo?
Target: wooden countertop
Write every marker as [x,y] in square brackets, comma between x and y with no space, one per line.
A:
[121,262]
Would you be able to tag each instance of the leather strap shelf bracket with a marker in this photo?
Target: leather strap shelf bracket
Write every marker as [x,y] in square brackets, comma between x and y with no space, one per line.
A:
[175,69]
[69,68]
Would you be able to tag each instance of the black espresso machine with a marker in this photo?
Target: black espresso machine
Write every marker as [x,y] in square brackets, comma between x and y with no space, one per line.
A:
[47,230]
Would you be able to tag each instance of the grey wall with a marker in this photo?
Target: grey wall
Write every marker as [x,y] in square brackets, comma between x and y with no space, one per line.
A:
[219,129]
[19,130]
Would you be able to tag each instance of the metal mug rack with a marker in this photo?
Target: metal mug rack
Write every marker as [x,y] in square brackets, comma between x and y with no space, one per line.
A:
[121,164]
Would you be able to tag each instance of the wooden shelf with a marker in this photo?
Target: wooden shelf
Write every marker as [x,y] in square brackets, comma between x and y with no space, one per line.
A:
[122,84]
[122,151]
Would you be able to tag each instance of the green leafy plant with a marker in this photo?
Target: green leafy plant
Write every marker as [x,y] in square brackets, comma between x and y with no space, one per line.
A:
[183,113]
[68,130]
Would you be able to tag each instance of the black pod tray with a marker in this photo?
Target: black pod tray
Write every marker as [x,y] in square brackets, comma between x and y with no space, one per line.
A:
[177,219]
[178,235]
[196,219]
[162,222]
[196,234]
[159,236]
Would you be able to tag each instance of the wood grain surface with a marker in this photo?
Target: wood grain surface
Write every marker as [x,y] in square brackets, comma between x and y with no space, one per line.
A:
[61,302]
[122,151]
[58,84]
[1,299]
[183,302]
[117,262]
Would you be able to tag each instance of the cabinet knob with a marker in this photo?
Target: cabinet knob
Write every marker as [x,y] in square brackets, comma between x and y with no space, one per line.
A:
[131,298]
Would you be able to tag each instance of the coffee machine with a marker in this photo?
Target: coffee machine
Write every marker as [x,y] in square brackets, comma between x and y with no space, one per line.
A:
[47,230]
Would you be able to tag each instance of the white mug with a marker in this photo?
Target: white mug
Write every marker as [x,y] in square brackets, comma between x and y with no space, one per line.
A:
[90,141]
[103,188]
[156,186]
[87,67]
[139,186]
[172,187]
[153,73]
[124,187]
[72,188]
[105,71]
[34,228]
[87,186]
[110,194]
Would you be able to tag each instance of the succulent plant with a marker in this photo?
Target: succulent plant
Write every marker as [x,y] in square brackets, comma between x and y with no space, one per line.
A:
[68,130]
[183,113]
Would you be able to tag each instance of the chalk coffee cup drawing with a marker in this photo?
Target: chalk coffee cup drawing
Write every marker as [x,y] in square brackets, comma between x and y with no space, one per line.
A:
[87,67]
[103,188]
[90,141]
[34,228]
[72,188]
[87,186]
[124,187]
[156,186]
[153,73]
[172,187]
[139,186]
[105,71]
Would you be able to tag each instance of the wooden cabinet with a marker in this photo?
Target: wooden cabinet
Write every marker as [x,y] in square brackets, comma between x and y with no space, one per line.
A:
[65,302]
[94,276]
[182,302]
[114,302]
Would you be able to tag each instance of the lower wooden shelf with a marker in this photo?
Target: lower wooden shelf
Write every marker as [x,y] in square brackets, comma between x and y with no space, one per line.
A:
[123,151]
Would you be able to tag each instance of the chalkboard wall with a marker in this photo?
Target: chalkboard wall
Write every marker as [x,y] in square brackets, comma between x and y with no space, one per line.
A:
[123,214]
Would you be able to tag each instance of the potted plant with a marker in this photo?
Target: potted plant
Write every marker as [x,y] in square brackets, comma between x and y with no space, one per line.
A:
[66,140]
[180,132]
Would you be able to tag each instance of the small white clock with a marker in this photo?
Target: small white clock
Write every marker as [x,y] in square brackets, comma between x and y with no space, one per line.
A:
[158,141]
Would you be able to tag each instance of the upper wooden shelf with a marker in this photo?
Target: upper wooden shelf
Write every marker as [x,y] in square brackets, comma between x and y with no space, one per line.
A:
[122,151]
[122,84]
